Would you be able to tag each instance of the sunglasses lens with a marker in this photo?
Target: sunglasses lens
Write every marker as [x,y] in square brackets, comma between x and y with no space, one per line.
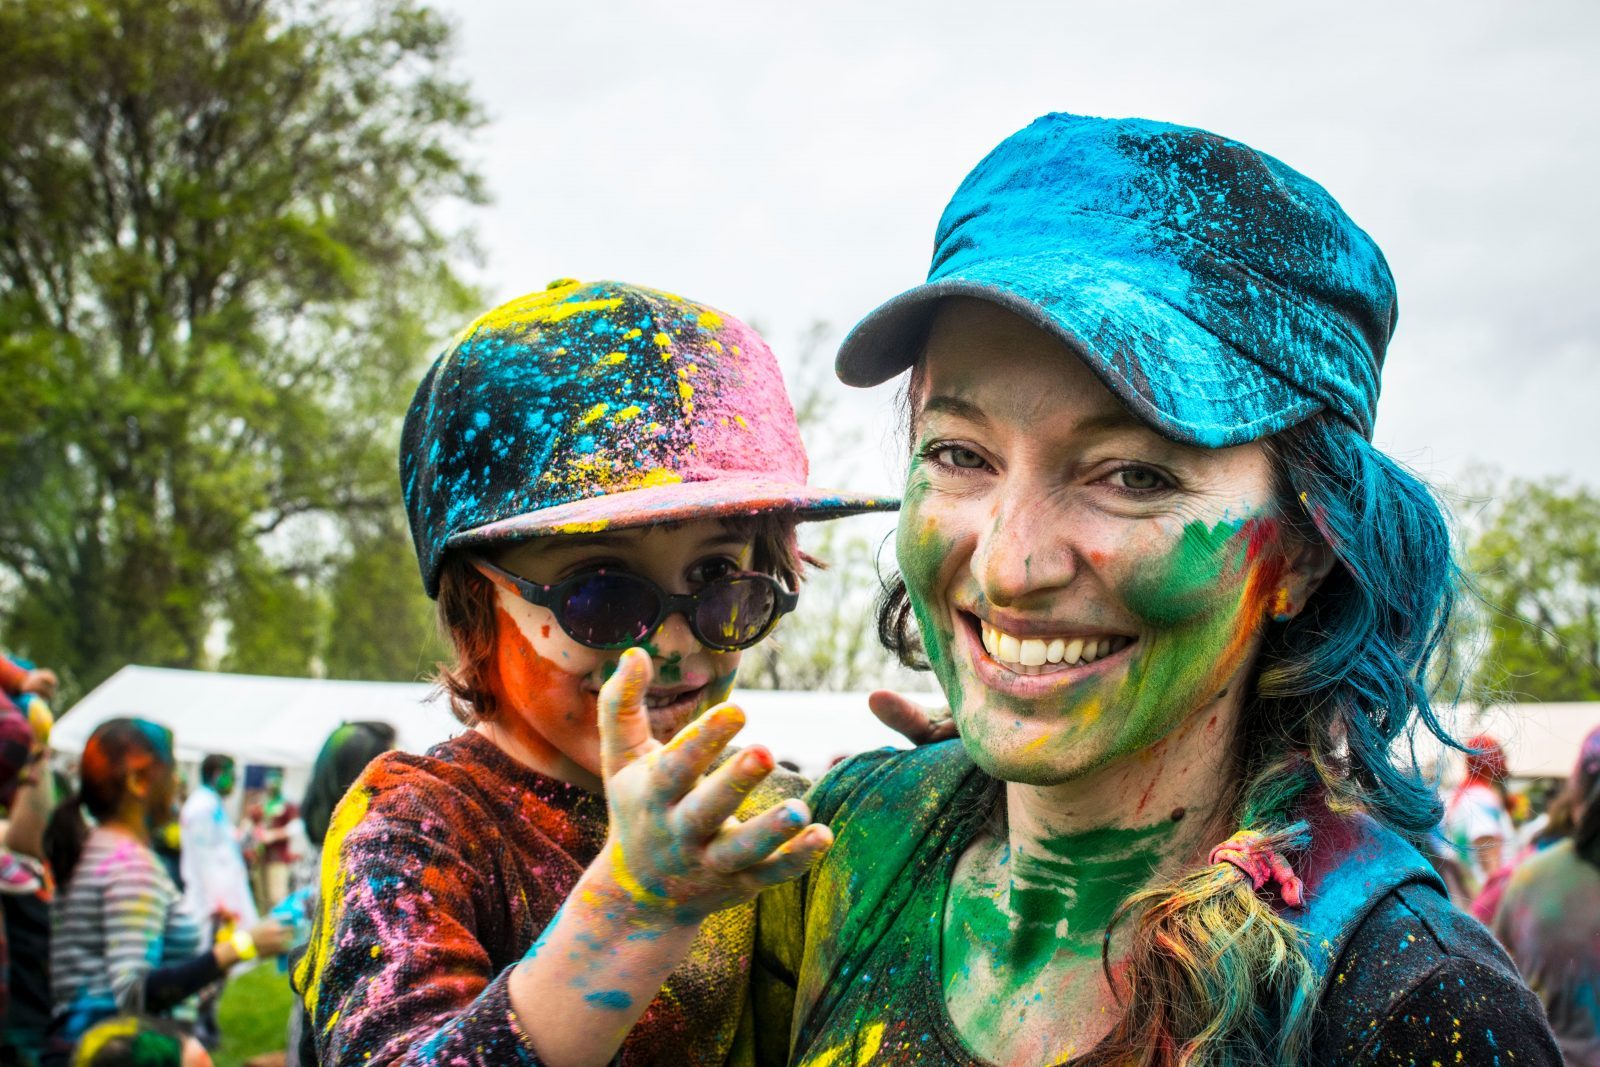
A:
[609,610]
[736,612]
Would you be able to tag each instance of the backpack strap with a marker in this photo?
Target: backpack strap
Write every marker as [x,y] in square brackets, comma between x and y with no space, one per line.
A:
[1355,862]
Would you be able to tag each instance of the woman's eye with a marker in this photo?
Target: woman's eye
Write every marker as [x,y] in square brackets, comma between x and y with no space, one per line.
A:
[1139,479]
[955,456]
[709,570]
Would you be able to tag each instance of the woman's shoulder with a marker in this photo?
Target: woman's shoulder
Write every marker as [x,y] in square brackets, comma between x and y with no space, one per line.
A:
[1419,980]
[864,783]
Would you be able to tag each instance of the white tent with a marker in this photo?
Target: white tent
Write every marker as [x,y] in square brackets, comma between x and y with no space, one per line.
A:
[282,722]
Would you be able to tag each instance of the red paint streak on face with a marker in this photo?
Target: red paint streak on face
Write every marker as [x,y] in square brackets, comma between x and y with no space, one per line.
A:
[541,705]
[544,631]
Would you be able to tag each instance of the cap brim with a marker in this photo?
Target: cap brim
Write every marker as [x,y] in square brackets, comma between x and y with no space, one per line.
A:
[726,497]
[1203,392]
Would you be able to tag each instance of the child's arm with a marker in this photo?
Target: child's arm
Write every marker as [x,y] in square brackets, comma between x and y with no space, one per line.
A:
[673,857]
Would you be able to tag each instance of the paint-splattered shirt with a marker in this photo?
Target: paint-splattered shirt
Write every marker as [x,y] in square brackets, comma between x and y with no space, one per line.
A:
[1549,920]
[1417,982]
[439,873]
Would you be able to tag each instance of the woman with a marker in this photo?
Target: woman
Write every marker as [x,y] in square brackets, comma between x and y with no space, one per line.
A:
[122,939]
[587,468]
[1182,611]
[1549,919]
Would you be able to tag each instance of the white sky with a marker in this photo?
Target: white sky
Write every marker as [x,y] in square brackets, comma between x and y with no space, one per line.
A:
[788,163]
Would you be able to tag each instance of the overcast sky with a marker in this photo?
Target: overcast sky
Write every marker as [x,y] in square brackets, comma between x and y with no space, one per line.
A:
[788,163]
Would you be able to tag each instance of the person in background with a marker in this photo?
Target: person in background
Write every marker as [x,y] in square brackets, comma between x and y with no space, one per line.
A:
[123,939]
[269,820]
[345,754]
[1477,820]
[27,914]
[1549,919]
[1552,826]
[215,881]
[20,744]
[139,1041]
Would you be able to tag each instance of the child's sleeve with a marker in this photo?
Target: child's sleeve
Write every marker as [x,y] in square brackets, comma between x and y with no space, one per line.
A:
[395,973]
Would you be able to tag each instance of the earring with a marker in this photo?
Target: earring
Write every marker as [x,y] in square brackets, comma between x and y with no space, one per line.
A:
[1282,609]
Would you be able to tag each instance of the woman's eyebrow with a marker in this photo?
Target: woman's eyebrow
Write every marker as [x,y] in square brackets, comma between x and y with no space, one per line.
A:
[955,405]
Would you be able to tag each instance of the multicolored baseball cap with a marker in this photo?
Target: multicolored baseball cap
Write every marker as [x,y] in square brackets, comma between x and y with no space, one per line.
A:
[601,405]
[1218,293]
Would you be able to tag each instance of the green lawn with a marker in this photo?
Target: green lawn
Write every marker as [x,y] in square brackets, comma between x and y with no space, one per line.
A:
[254,1015]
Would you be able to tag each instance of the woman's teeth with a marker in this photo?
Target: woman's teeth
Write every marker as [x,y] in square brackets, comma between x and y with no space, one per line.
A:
[1030,652]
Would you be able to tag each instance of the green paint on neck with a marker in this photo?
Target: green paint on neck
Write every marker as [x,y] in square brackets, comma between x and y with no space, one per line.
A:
[1048,905]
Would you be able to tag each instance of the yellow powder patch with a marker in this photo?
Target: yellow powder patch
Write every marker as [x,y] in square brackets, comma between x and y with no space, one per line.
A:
[686,391]
[740,420]
[593,414]
[611,359]
[661,340]
[692,368]
[335,887]
[539,308]
[716,346]
[660,476]
[633,334]
[592,526]
[711,320]
[627,414]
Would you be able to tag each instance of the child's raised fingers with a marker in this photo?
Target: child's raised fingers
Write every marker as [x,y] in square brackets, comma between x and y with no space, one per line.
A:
[694,748]
[792,860]
[712,802]
[743,845]
[624,722]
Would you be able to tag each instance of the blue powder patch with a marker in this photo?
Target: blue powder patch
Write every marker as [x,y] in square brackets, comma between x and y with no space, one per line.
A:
[613,999]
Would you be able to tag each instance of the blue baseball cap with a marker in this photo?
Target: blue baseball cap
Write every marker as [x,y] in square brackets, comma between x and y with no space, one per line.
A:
[1220,294]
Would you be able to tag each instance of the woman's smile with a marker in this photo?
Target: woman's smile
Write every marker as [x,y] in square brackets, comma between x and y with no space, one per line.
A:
[1030,663]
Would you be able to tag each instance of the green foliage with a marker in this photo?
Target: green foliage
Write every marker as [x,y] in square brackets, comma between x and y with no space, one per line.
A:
[218,279]
[1536,559]
[381,624]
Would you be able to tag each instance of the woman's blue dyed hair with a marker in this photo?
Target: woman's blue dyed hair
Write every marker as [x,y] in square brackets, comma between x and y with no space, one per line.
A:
[1349,678]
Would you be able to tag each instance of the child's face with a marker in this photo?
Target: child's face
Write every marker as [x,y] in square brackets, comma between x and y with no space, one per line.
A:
[548,683]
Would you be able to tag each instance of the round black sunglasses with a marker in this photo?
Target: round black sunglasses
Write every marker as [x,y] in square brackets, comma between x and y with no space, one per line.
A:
[614,609]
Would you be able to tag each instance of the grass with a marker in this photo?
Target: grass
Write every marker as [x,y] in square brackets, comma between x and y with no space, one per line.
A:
[253,1015]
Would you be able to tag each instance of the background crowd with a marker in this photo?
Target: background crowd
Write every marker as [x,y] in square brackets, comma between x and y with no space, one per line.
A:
[132,894]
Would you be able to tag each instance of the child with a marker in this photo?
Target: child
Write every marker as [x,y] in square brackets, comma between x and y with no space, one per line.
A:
[587,469]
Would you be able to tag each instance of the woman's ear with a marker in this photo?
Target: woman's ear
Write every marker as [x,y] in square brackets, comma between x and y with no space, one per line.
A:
[1309,563]
[136,782]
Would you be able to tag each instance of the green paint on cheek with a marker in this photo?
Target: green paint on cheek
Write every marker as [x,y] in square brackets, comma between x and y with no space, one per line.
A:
[921,550]
[1186,584]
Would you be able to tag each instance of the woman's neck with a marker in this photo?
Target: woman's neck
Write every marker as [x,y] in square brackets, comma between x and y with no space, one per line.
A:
[129,824]
[1076,850]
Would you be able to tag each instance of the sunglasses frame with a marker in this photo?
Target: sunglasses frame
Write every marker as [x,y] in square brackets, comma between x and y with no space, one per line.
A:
[551,596]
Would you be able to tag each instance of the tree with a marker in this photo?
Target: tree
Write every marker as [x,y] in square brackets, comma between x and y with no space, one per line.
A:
[1535,557]
[218,275]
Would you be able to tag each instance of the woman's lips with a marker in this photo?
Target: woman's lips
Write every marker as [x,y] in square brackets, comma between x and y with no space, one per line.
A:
[1008,670]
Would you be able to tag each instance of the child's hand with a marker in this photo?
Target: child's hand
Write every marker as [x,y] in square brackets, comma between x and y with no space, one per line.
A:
[675,849]
[911,720]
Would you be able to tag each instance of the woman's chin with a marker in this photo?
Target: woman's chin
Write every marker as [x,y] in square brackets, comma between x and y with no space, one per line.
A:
[1029,755]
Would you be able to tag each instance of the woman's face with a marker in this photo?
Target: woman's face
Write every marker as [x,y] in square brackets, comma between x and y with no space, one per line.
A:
[1083,585]
[548,683]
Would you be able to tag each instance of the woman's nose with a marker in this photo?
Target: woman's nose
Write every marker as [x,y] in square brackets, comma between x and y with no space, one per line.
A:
[1025,550]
